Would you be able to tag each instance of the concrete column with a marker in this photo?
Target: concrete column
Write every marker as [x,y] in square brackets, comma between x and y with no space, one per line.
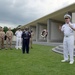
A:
[37,32]
[73,20]
[49,30]
[33,28]
[29,28]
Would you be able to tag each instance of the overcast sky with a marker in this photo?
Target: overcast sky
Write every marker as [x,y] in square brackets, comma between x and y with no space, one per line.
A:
[21,12]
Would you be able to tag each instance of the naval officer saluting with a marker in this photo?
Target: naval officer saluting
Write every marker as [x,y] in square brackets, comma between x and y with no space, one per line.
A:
[68,43]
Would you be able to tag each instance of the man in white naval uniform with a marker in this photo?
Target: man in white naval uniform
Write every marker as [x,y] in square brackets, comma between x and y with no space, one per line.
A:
[18,34]
[68,42]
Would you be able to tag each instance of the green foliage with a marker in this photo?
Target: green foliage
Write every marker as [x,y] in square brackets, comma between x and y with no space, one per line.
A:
[18,26]
[5,29]
[40,61]
[14,30]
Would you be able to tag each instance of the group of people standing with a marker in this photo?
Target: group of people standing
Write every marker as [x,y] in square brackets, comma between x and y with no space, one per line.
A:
[68,42]
[6,37]
[24,39]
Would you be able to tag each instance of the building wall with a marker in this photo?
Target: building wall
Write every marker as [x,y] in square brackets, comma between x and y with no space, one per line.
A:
[34,31]
[56,34]
[73,20]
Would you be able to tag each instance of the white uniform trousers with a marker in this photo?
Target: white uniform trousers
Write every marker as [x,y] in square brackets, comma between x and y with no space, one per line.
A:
[68,44]
[18,43]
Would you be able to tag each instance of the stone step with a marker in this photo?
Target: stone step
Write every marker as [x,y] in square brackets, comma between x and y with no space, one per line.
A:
[61,46]
[59,49]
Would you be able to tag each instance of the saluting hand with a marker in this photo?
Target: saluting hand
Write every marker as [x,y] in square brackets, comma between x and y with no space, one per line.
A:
[70,25]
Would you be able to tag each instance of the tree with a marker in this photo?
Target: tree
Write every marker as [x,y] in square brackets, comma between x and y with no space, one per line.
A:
[5,29]
[19,26]
[14,30]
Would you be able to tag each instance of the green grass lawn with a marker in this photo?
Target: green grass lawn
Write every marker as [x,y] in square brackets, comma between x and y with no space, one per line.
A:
[40,61]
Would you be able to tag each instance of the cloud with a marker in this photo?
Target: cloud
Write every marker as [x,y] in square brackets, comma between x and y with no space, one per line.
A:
[20,12]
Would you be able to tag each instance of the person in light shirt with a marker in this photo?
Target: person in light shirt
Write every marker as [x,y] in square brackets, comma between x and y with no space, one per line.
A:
[31,39]
[2,36]
[9,35]
[18,34]
[68,42]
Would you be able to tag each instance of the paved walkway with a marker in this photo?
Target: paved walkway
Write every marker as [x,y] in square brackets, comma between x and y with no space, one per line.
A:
[48,44]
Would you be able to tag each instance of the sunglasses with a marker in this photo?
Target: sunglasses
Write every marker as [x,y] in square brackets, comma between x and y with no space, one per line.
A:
[66,18]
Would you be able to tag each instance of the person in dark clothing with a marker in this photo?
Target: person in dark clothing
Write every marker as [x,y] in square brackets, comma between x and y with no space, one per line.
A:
[25,40]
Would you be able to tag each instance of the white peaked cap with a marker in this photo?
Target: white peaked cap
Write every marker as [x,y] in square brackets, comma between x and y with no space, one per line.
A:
[67,15]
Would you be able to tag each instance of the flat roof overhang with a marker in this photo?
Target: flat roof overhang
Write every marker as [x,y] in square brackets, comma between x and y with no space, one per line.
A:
[57,15]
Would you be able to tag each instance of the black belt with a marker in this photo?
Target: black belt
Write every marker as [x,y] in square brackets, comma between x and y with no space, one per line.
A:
[66,36]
